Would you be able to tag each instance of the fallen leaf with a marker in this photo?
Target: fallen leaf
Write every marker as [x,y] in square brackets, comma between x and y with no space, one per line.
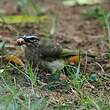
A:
[13,59]
[81,2]
[22,19]
[73,59]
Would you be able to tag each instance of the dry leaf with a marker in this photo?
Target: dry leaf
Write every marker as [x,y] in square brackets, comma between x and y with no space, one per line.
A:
[13,59]
[73,59]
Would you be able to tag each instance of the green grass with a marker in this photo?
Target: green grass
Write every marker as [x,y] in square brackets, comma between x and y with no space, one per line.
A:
[15,95]
[101,15]
[96,13]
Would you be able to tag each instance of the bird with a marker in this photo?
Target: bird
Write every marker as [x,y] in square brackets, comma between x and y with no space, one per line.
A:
[44,52]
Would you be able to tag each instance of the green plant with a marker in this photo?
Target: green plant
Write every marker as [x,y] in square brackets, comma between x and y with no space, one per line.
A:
[87,101]
[76,82]
[75,78]
[96,13]
[15,97]
[31,75]
[102,16]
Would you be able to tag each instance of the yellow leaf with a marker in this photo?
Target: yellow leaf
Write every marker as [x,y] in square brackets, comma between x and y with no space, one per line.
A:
[22,19]
[73,59]
[13,59]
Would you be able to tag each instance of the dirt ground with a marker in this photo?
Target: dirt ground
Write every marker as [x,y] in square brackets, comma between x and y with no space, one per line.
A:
[71,27]
[72,31]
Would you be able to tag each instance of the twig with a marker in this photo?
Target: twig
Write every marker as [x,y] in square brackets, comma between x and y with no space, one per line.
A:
[100,67]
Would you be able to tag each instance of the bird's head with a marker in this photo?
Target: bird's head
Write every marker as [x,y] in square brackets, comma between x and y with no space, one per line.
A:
[28,39]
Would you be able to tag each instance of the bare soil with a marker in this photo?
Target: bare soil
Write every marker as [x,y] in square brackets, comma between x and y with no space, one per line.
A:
[72,31]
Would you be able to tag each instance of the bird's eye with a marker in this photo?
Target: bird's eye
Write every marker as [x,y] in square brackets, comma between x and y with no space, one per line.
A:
[31,39]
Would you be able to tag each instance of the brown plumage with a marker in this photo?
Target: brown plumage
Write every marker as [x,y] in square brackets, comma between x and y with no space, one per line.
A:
[40,51]
[44,52]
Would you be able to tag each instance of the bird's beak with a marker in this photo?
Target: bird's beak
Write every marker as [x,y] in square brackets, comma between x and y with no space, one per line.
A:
[34,40]
[20,41]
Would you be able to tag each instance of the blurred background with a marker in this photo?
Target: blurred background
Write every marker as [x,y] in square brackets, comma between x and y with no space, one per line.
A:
[79,25]
[75,22]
